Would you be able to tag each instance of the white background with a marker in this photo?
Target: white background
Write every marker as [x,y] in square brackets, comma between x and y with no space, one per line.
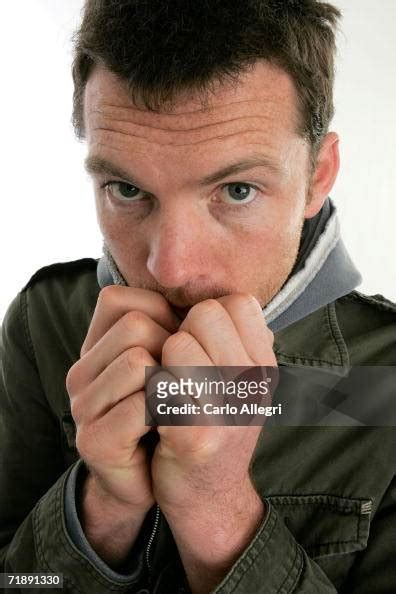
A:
[47,208]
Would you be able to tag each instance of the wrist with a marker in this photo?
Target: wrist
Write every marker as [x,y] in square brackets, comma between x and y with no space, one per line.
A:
[95,495]
[110,526]
[218,528]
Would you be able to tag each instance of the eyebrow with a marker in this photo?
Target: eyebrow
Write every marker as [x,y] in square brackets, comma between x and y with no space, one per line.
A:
[250,163]
[98,165]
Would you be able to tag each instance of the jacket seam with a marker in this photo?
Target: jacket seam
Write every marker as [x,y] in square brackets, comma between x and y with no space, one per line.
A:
[233,581]
[318,505]
[357,520]
[40,549]
[238,571]
[330,321]
[25,323]
[298,563]
[306,359]
[337,334]
[358,531]
[313,497]
[361,298]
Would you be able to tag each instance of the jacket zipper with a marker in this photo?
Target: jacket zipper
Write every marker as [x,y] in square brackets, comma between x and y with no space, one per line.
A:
[152,536]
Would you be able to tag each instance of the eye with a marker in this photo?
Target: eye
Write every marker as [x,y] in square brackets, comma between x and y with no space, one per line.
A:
[124,191]
[239,192]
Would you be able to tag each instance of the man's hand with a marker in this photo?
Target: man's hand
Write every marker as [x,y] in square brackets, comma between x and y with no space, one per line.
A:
[106,387]
[201,474]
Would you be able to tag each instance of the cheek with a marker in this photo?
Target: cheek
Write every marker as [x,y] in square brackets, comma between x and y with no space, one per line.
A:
[266,240]
[275,229]
[269,246]
[114,225]
[289,218]
[119,236]
[101,214]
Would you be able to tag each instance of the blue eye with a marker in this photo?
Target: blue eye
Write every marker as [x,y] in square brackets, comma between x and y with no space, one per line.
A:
[124,191]
[239,193]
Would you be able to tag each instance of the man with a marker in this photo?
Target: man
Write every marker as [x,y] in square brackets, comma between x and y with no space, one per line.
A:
[208,144]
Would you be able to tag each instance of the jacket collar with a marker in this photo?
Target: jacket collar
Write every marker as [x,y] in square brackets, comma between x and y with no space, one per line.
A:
[315,341]
[303,314]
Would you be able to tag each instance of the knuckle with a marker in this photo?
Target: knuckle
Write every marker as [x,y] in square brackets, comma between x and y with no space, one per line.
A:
[206,307]
[136,406]
[133,320]
[178,342]
[87,443]
[108,296]
[245,300]
[74,379]
[136,357]
[81,441]
[76,409]
[247,303]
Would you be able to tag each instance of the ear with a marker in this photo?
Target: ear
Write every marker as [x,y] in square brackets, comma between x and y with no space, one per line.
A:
[325,174]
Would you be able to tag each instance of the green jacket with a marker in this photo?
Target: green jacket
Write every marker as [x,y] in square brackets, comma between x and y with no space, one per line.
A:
[330,491]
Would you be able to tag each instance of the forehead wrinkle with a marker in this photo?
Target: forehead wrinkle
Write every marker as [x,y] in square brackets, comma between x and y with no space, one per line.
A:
[263,125]
[184,130]
[108,147]
[125,136]
[175,114]
[272,96]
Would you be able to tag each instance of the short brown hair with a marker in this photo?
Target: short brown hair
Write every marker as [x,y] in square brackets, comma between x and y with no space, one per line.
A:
[163,47]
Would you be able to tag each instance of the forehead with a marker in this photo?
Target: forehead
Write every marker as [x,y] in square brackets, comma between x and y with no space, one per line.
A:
[263,100]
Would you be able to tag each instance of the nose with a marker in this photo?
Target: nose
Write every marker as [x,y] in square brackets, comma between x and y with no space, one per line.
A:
[178,249]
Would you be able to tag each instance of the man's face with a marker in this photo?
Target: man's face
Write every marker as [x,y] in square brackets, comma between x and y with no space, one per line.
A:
[200,202]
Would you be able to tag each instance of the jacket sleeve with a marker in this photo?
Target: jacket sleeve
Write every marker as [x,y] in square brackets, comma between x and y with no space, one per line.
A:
[275,562]
[33,479]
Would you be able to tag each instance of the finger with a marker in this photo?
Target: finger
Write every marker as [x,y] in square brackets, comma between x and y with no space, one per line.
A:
[124,423]
[158,393]
[115,301]
[124,376]
[132,329]
[211,325]
[257,338]
[182,348]
[186,359]
[189,392]
[247,316]
[117,431]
